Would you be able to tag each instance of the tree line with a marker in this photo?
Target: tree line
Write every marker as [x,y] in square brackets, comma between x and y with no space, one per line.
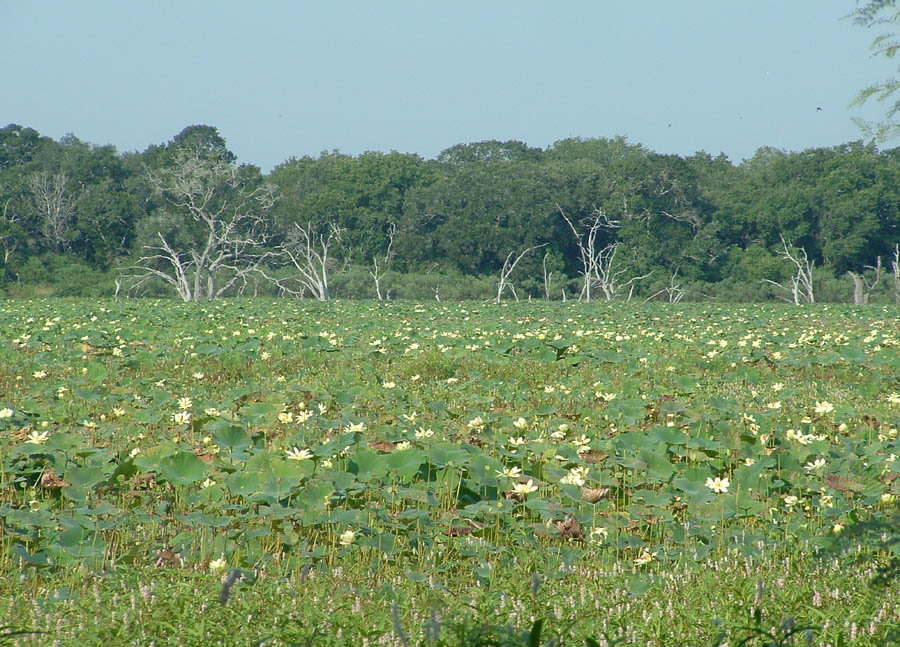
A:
[582,219]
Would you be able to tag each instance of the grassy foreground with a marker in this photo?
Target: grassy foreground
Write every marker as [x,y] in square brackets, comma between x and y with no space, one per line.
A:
[292,473]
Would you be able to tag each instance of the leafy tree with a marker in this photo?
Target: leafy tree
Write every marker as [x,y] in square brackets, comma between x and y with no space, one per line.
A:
[694,221]
[19,145]
[473,217]
[882,14]
[488,151]
[204,140]
[363,196]
[653,199]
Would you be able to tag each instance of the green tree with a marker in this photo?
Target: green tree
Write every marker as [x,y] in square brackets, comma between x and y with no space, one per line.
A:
[474,216]
[488,151]
[652,199]
[885,15]
[363,196]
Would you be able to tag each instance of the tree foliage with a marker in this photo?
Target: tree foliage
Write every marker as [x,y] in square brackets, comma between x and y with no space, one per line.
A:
[883,15]
[701,224]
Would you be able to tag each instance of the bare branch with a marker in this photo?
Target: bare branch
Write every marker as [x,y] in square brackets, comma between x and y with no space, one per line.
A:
[308,252]
[508,266]
[895,272]
[801,289]
[862,287]
[228,246]
[55,204]
[605,276]
[378,273]
[587,243]
[674,292]
[547,276]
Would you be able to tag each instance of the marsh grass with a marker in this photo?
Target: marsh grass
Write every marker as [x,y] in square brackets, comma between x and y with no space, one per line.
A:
[409,474]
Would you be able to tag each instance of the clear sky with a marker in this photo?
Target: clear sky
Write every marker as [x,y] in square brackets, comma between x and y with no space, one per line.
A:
[284,78]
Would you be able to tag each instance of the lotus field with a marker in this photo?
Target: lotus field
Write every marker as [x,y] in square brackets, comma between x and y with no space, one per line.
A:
[260,472]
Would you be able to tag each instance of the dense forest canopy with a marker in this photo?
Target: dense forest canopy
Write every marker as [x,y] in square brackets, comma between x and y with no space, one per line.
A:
[82,219]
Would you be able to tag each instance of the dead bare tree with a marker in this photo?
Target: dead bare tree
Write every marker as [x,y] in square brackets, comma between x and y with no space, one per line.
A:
[801,289]
[307,250]
[598,265]
[607,277]
[862,287]
[508,266]
[55,203]
[9,222]
[674,292]
[222,243]
[377,273]
[587,245]
[895,271]
[547,276]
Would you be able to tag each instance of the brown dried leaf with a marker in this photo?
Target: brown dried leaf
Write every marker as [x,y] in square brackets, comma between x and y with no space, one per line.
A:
[510,495]
[473,439]
[841,484]
[383,446]
[457,531]
[167,557]
[592,495]
[569,529]
[51,481]
[143,482]
[206,457]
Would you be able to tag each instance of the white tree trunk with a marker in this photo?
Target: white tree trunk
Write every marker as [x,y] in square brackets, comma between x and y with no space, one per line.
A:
[233,228]
[508,266]
[801,289]
[55,204]
[308,253]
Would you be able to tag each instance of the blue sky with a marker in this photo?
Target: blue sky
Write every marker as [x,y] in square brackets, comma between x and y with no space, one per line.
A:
[283,79]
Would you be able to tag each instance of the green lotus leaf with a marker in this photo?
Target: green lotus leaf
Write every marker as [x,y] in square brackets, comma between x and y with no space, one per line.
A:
[231,437]
[208,350]
[545,354]
[387,543]
[96,373]
[80,542]
[259,413]
[243,483]
[685,384]
[638,586]
[368,465]
[63,441]
[85,477]
[148,460]
[38,559]
[658,468]
[668,435]
[694,491]
[853,355]
[672,406]
[182,468]
[91,395]
[406,463]
[444,454]
[651,497]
